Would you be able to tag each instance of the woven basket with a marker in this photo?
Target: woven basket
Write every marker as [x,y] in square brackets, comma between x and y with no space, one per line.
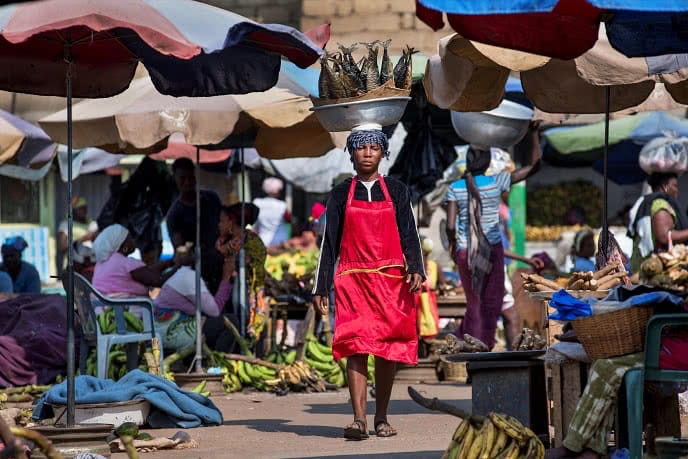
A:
[613,333]
[452,371]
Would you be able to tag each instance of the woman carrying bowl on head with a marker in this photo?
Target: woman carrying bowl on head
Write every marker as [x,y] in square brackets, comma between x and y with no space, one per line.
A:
[475,241]
[371,230]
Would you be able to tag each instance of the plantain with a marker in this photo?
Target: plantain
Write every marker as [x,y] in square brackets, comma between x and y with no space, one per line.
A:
[500,442]
[477,446]
[452,450]
[490,436]
[468,440]
[507,450]
[243,375]
[502,423]
[531,447]
[461,430]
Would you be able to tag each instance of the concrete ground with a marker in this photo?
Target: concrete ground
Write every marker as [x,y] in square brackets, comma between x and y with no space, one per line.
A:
[259,425]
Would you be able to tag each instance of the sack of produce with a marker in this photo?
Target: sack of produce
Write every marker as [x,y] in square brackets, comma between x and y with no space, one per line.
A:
[665,154]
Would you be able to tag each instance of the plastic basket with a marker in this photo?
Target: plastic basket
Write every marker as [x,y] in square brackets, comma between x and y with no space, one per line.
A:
[613,333]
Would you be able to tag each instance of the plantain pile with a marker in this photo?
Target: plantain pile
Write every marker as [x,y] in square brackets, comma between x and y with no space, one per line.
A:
[667,270]
[606,278]
[497,436]
[342,77]
[117,358]
[528,340]
[22,393]
[548,233]
[319,356]
[547,204]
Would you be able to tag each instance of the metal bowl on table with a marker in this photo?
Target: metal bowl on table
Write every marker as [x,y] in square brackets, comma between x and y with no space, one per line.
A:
[502,127]
[346,116]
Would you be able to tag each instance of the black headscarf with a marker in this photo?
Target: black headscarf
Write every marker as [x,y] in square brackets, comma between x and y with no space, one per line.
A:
[479,249]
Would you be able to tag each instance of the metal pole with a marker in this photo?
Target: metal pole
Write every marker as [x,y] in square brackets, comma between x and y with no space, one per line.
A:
[605,158]
[243,313]
[199,344]
[71,393]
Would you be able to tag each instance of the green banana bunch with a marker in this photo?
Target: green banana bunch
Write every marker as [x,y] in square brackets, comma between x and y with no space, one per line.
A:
[319,357]
[108,324]
[497,436]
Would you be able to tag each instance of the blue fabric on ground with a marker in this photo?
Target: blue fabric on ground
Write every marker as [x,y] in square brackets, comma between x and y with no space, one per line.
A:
[170,406]
[568,307]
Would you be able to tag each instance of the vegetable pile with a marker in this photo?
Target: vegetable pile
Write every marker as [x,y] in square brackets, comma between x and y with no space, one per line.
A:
[667,270]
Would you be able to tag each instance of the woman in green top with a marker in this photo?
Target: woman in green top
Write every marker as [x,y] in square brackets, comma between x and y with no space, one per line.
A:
[657,219]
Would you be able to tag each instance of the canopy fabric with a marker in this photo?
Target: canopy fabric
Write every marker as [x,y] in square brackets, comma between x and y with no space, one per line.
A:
[468,76]
[140,120]
[23,144]
[564,29]
[639,128]
[189,48]
[85,161]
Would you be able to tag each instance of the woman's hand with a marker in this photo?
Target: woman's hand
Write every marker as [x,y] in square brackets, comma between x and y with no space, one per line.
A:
[220,246]
[536,264]
[416,281]
[228,268]
[320,304]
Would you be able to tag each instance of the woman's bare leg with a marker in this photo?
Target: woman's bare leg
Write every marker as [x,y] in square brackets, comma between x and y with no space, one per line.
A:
[357,378]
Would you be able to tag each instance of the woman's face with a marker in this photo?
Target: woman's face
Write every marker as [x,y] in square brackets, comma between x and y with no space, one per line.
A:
[367,158]
[671,187]
[227,224]
[128,246]
[587,248]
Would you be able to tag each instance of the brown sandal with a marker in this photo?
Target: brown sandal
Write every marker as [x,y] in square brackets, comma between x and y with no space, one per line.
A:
[383,429]
[357,430]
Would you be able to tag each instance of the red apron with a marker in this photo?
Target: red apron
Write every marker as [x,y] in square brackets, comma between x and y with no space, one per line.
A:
[374,311]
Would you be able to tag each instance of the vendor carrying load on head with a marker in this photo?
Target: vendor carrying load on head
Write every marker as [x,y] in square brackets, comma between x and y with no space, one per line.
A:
[370,228]
[475,241]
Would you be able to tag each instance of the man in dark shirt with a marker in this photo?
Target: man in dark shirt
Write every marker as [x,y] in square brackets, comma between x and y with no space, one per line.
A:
[181,221]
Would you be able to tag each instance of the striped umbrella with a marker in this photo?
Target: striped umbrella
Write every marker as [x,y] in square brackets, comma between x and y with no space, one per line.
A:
[90,48]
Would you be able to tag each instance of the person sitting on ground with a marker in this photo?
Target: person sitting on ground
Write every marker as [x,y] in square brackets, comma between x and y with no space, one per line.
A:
[25,278]
[117,274]
[583,251]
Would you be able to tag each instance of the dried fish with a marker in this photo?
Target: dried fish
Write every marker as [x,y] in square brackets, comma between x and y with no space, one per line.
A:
[348,81]
[371,70]
[349,66]
[334,82]
[403,71]
[400,70]
[363,67]
[386,69]
[323,79]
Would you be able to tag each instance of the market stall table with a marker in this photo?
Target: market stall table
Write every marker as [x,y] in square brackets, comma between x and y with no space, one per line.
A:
[453,306]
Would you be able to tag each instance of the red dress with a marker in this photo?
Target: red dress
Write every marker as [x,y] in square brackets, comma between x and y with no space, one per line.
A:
[374,311]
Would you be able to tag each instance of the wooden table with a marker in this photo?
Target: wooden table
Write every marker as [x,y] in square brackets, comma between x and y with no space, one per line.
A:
[452,306]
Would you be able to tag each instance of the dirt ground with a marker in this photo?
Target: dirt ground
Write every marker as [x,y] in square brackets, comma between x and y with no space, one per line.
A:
[258,425]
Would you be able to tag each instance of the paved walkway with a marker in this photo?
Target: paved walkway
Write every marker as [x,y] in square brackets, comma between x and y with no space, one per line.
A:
[259,425]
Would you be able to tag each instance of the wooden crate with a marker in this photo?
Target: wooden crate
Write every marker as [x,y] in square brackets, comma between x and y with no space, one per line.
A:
[566,384]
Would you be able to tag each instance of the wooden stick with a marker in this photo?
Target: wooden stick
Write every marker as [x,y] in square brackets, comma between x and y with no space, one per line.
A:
[43,443]
[243,346]
[253,361]
[438,405]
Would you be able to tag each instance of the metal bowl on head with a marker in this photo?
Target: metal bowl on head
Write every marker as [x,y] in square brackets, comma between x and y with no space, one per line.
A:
[502,127]
[346,116]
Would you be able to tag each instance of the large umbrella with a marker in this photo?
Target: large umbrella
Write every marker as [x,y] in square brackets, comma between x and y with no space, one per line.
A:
[26,151]
[565,28]
[90,48]
[600,81]
[141,120]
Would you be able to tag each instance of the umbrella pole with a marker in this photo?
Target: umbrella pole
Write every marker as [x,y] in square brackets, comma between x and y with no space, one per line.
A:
[242,253]
[71,393]
[605,161]
[198,359]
